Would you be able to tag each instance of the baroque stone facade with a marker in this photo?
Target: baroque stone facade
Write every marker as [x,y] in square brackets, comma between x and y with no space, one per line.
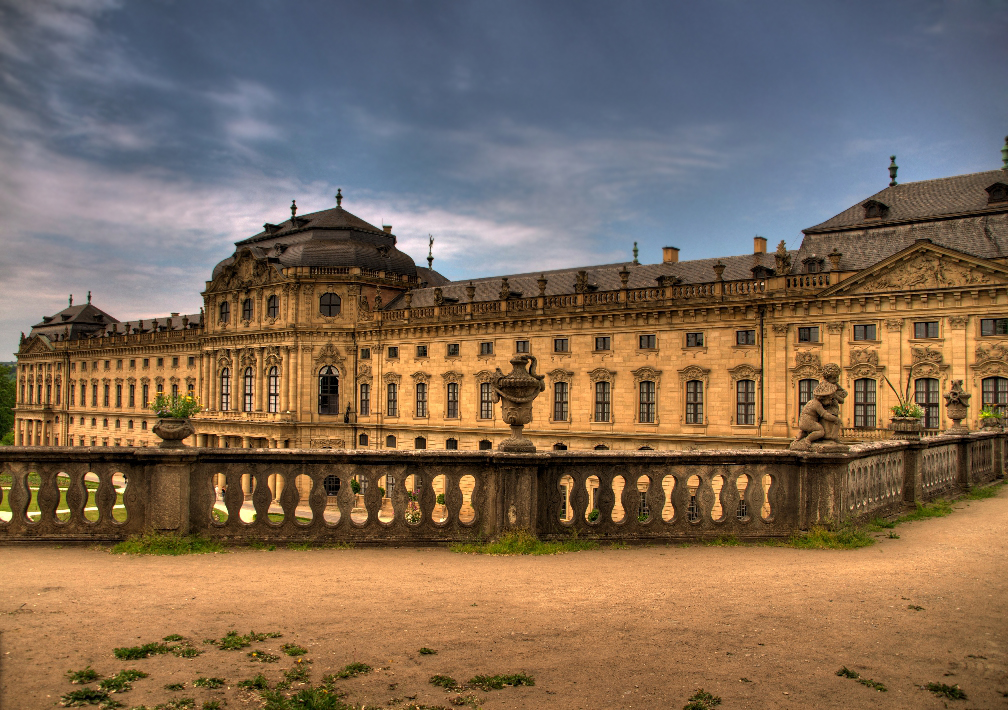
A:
[318,333]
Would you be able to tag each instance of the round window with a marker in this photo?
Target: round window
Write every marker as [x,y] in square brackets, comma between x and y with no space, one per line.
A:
[329,304]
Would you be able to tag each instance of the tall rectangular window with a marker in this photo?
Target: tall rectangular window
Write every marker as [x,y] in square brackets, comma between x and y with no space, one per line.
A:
[70,392]
[225,390]
[132,395]
[647,402]
[58,388]
[452,410]
[694,402]
[94,394]
[486,401]
[864,403]
[83,394]
[421,399]
[392,400]
[561,402]
[106,390]
[273,390]
[118,395]
[926,329]
[603,391]
[805,389]
[926,394]
[745,402]
[365,399]
[145,395]
[864,332]
[247,392]
[453,350]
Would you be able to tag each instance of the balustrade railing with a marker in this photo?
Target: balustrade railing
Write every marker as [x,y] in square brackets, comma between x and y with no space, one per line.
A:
[871,484]
[939,468]
[805,281]
[523,304]
[565,300]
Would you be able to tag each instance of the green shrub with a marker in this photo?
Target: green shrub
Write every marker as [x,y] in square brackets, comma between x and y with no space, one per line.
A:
[151,543]
[496,682]
[702,700]
[82,677]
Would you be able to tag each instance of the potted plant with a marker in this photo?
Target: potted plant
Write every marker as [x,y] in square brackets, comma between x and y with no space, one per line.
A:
[173,424]
[906,416]
[990,417]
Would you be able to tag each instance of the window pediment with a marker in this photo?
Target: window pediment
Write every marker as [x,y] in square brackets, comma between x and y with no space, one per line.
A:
[998,192]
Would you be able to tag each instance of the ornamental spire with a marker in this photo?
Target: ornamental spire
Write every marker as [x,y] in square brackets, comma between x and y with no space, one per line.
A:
[339,197]
[430,251]
[893,167]
[293,209]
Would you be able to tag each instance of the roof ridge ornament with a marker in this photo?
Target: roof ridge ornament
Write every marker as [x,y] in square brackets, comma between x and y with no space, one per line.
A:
[1004,155]
[430,251]
[635,253]
[339,197]
[71,299]
[893,167]
[293,209]
[89,297]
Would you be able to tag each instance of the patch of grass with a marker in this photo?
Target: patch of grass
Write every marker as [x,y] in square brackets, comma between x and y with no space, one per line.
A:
[122,681]
[981,492]
[426,651]
[444,681]
[135,653]
[915,607]
[233,641]
[523,542]
[309,545]
[214,704]
[151,543]
[172,637]
[320,698]
[469,700]
[821,538]
[298,674]
[846,672]
[83,696]
[724,541]
[260,545]
[82,677]
[175,686]
[186,651]
[496,682]
[702,700]
[257,682]
[292,649]
[208,683]
[952,692]
[177,704]
[262,657]
[352,670]
[893,535]
[935,509]
[880,524]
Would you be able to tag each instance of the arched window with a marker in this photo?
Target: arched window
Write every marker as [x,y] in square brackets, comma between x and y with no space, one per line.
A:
[247,309]
[601,447]
[272,307]
[994,391]
[745,402]
[559,446]
[926,395]
[273,390]
[694,402]
[225,312]
[329,304]
[420,443]
[248,390]
[864,403]
[362,440]
[389,442]
[225,390]
[485,445]
[805,390]
[331,484]
[421,400]
[451,444]
[647,402]
[328,390]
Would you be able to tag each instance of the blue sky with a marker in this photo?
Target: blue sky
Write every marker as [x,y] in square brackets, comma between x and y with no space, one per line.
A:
[139,140]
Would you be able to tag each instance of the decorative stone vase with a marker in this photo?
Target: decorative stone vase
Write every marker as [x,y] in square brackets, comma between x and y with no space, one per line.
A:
[173,431]
[956,404]
[957,412]
[516,391]
[908,428]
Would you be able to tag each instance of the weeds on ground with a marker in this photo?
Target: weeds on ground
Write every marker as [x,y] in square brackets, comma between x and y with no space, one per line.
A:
[175,686]
[846,672]
[523,542]
[258,682]
[319,698]
[214,705]
[979,493]
[496,682]
[821,538]
[426,651]
[233,641]
[83,696]
[122,681]
[208,683]
[723,541]
[292,649]
[177,704]
[151,543]
[309,545]
[468,700]
[172,637]
[915,607]
[298,674]
[352,670]
[702,700]
[134,653]
[262,657]
[444,681]
[260,545]
[82,677]
[952,692]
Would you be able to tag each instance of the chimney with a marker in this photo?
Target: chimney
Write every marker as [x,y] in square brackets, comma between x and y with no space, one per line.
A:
[759,245]
[387,228]
[670,255]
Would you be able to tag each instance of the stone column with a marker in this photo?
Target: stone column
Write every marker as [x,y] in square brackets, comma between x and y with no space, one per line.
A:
[284,380]
[246,442]
[235,390]
[213,383]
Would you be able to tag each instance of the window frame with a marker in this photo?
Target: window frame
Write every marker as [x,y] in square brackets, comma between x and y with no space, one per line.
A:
[865,403]
[452,400]
[273,390]
[523,347]
[392,352]
[806,386]
[272,306]
[392,399]
[863,329]
[932,401]
[453,346]
[421,410]
[561,345]
[694,401]
[246,310]
[333,302]
[365,353]
[745,402]
[812,332]
[248,389]
[927,330]
[224,313]
[561,401]
[331,395]
[745,337]
[364,399]
[607,342]
[602,413]
[647,341]
[486,408]
[225,390]
[421,351]
[486,348]
[697,336]
[647,409]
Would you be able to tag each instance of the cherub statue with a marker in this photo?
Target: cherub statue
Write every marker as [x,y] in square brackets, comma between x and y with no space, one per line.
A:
[815,415]
[831,374]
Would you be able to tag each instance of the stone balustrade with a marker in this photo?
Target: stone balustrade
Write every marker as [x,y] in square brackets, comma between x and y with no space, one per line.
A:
[430,497]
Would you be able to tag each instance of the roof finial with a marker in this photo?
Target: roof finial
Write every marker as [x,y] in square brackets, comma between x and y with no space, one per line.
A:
[430,252]
[893,167]
[71,299]
[89,297]
[339,197]
[293,209]
[635,253]
[1004,154]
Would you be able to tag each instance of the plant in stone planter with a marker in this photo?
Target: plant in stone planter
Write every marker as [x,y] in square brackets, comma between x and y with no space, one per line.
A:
[990,416]
[173,425]
[906,416]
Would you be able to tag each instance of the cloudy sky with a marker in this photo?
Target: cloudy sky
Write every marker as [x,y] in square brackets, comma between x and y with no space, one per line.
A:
[139,140]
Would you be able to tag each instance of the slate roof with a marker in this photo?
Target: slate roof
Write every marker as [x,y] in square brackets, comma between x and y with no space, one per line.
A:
[73,323]
[917,210]
[604,277]
[332,237]
[150,325]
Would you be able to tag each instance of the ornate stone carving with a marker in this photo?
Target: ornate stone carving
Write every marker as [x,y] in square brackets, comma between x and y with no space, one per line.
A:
[247,358]
[560,375]
[516,391]
[819,420]
[956,402]
[326,443]
[808,366]
[927,270]
[864,362]
[328,355]
[782,259]
[835,328]
[646,373]
[505,290]
[745,372]
[581,282]
[600,374]
[391,378]
[958,322]
[991,361]
[694,372]
[894,325]
[420,377]
[451,376]
[780,328]
[483,376]
[438,297]
[273,358]
[926,362]
[363,374]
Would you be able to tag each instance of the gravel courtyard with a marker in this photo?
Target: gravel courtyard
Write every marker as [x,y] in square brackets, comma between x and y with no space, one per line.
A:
[762,627]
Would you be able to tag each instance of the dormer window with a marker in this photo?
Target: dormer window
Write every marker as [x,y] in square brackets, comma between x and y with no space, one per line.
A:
[998,192]
[873,209]
[813,265]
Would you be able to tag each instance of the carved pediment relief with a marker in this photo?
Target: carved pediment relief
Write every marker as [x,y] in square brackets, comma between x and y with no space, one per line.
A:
[646,373]
[864,362]
[363,374]
[745,372]
[991,361]
[600,374]
[392,378]
[483,376]
[451,376]
[37,345]
[244,272]
[560,375]
[420,377]
[694,372]
[927,362]
[808,366]
[329,355]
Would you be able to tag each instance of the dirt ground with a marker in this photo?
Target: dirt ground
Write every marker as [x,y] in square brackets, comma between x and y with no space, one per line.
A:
[761,627]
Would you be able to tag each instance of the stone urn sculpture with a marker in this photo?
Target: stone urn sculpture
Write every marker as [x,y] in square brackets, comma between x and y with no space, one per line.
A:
[172,431]
[516,391]
[956,403]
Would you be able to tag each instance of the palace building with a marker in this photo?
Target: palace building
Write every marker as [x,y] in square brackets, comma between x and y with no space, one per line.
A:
[318,332]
